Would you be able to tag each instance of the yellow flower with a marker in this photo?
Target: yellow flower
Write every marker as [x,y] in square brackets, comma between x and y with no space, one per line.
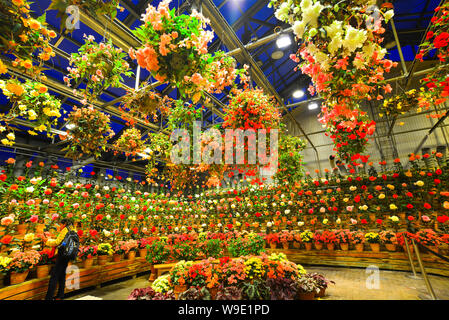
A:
[29,237]
[18,3]
[393,207]
[382,196]
[11,136]
[31,132]
[41,128]
[394,218]
[390,186]
[3,68]
[419,183]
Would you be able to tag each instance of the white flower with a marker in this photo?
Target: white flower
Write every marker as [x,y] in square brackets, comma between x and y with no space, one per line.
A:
[30,189]
[282,12]
[300,223]
[126,230]
[287,211]
[311,14]
[388,15]
[334,29]
[305,4]
[298,28]
[269,224]
[354,38]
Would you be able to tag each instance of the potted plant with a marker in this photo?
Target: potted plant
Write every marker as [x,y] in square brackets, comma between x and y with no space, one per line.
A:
[285,237]
[178,276]
[297,240]
[87,254]
[143,243]
[318,239]
[373,239]
[322,283]
[21,264]
[43,266]
[428,238]
[119,251]
[343,238]
[358,239]
[131,247]
[307,238]
[330,239]
[229,293]
[272,239]
[307,287]
[389,239]
[104,250]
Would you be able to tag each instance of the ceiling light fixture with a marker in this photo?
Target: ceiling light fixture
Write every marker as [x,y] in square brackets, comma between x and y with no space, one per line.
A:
[70,126]
[283,41]
[313,106]
[298,94]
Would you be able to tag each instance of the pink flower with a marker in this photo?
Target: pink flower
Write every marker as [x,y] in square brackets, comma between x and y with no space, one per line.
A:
[34,218]
[54,216]
[45,201]
[425,218]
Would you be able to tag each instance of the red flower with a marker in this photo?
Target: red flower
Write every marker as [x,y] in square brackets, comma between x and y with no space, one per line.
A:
[3,177]
[80,233]
[6,239]
[135,230]
[410,218]
[93,233]
[363,221]
[122,216]
[99,217]
[29,164]
[409,206]
[427,206]
[379,221]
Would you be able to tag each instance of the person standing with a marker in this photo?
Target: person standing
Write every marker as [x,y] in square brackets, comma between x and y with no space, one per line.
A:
[58,272]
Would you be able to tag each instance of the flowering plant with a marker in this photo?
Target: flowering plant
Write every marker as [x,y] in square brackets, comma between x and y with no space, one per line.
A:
[343,236]
[93,7]
[31,101]
[307,236]
[437,38]
[105,249]
[175,50]
[46,257]
[4,264]
[90,133]
[130,142]
[403,102]
[329,237]
[254,268]
[285,236]
[178,274]
[427,237]
[120,247]
[388,237]
[23,261]
[29,36]
[358,237]
[102,65]
[372,237]
[87,252]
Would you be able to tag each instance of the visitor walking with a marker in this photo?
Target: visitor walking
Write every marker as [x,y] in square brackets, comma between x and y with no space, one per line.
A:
[67,240]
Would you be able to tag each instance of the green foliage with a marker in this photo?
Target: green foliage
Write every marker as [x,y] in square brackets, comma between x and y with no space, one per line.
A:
[253,244]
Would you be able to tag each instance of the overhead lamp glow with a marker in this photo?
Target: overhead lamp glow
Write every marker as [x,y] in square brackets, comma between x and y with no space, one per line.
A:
[283,41]
[313,106]
[298,94]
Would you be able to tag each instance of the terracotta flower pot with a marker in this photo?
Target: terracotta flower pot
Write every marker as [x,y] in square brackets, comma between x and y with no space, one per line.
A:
[213,292]
[18,277]
[344,246]
[390,247]
[308,246]
[143,253]
[321,294]
[177,290]
[330,246]
[273,245]
[306,296]
[318,246]
[285,245]
[131,255]
[87,263]
[405,248]
[116,257]
[296,244]
[375,247]
[21,228]
[42,271]
[359,247]
[102,259]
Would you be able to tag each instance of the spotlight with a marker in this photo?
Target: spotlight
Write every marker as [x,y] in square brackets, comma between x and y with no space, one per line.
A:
[313,106]
[278,54]
[298,94]
[283,41]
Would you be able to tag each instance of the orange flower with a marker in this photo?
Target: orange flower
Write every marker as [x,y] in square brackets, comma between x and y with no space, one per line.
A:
[27,64]
[34,24]
[43,89]
[52,34]
[11,161]
[3,68]
[18,3]
[16,89]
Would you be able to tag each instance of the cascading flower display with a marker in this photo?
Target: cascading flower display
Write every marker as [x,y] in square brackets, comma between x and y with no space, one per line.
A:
[175,50]
[101,64]
[437,38]
[90,132]
[29,36]
[340,51]
[130,142]
[31,101]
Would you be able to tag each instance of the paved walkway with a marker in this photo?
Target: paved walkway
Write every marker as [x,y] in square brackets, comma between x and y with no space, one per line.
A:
[351,284]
